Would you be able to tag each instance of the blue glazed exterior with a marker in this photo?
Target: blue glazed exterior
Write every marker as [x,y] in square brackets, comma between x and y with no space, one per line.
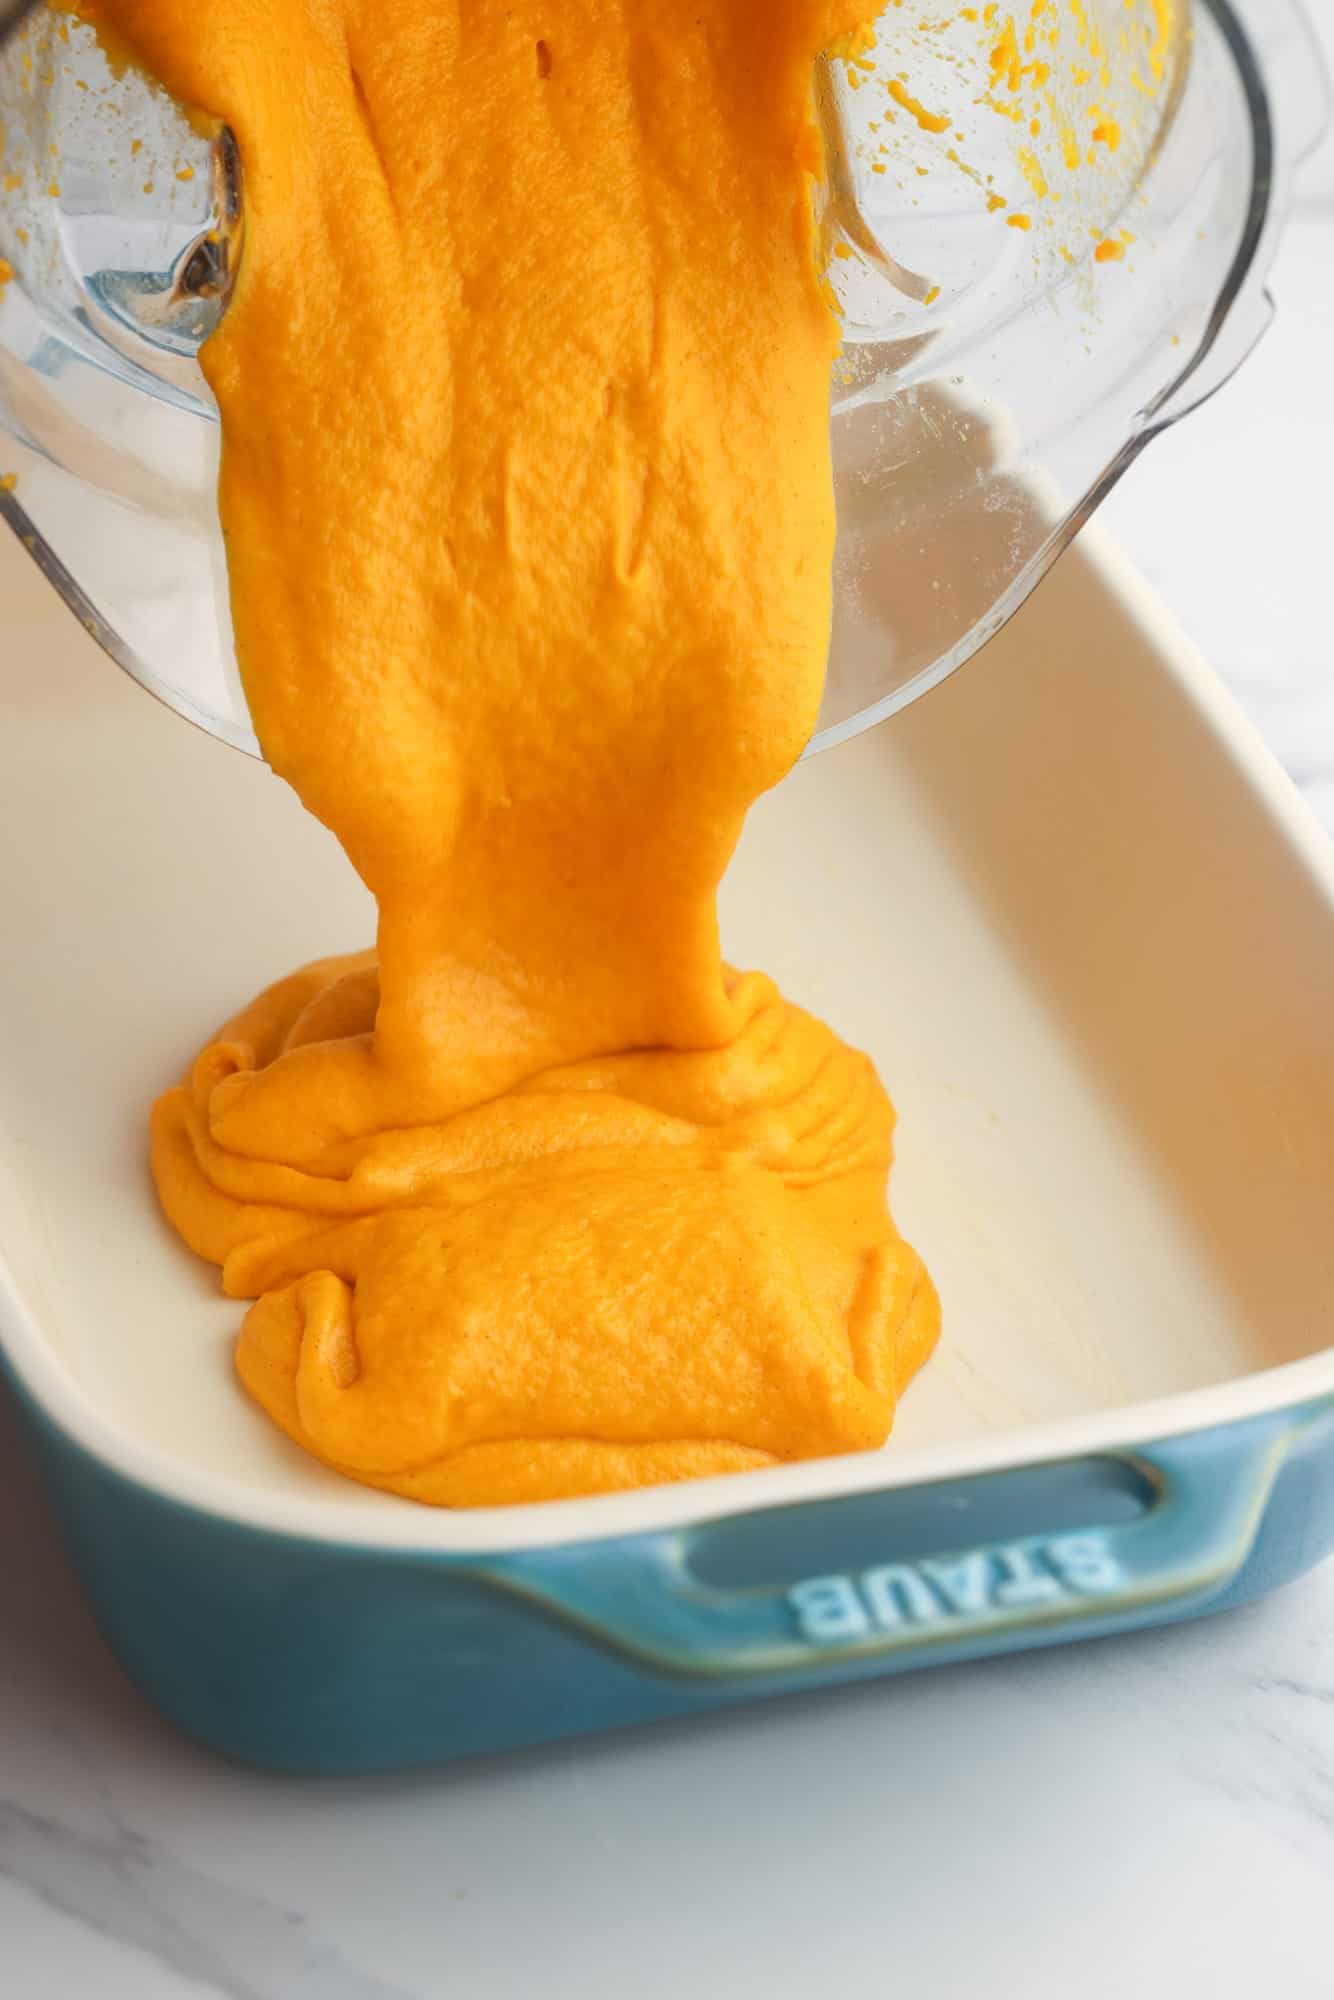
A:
[303,1655]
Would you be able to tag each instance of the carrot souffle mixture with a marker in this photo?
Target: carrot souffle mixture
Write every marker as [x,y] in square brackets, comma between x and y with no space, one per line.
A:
[528,506]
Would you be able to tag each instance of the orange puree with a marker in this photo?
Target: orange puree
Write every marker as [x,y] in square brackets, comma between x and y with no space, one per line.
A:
[527,498]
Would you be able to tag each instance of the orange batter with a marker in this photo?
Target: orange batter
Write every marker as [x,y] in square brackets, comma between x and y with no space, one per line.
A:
[528,508]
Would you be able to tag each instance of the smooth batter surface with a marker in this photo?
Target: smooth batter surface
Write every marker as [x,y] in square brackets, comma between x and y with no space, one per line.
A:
[529,520]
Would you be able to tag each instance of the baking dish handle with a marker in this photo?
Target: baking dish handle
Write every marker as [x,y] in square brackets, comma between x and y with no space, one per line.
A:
[643,1596]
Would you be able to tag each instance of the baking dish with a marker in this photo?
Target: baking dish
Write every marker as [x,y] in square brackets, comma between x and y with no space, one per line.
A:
[1105,1007]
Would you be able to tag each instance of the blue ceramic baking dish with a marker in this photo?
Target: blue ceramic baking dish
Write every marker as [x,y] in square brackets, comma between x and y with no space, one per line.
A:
[1087,930]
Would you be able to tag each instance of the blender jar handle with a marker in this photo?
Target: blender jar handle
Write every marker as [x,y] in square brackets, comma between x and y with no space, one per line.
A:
[1281,63]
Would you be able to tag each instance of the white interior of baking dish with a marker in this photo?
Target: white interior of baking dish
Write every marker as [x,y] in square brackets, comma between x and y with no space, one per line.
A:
[1082,924]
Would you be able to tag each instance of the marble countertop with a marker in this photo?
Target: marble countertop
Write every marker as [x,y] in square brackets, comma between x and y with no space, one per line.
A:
[1152,1815]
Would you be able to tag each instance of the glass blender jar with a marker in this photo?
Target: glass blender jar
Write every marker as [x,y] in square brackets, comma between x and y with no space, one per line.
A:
[1046,232]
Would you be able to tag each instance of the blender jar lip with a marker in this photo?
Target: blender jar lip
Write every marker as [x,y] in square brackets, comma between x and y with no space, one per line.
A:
[1191,385]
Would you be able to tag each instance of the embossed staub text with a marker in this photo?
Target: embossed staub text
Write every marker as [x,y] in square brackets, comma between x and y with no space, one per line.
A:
[977,1588]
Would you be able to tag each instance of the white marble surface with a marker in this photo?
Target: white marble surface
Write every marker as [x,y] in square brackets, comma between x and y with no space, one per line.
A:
[1154,1815]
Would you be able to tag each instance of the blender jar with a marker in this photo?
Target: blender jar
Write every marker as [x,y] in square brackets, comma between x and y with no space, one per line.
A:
[1046,233]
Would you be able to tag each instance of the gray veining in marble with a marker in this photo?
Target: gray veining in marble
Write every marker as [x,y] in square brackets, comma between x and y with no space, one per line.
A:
[124,1885]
